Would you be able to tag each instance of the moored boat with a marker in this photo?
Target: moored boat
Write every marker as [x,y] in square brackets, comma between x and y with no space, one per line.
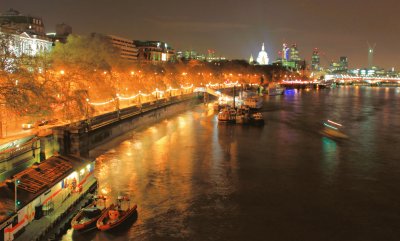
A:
[243,115]
[86,218]
[275,89]
[116,214]
[257,119]
[254,102]
[227,115]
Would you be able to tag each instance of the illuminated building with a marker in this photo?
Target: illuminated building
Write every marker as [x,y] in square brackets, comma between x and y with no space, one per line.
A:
[315,60]
[262,58]
[340,67]
[193,55]
[344,64]
[251,60]
[26,33]
[290,58]
[285,53]
[154,51]
[294,53]
[370,55]
[24,43]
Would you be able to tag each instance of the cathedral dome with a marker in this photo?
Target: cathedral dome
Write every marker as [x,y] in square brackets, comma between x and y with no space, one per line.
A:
[262,58]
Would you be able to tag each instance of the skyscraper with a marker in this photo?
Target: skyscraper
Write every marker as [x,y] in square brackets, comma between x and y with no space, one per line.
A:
[344,64]
[285,52]
[370,55]
[315,60]
[294,53]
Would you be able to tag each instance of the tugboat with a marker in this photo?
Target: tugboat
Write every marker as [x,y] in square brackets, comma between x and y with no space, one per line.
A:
[116,214]
[87,217]
[332,129]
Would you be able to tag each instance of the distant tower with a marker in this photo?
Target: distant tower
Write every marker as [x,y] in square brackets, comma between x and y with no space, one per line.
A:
[251,60]
[315,60]
[285,52]
[371,50]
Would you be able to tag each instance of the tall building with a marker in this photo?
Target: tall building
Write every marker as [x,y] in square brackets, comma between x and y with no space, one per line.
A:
[285,53]
[340,67]
[154,51]
[315,60]
[262,58]
[22,23]
[344,63]
[126,47]
[371,55]
[294,53]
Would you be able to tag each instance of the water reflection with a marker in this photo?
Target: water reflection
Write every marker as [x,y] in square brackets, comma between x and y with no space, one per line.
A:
[196,180]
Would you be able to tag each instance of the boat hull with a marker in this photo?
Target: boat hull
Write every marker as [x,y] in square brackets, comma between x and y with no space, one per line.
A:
[77,225]
[108,226]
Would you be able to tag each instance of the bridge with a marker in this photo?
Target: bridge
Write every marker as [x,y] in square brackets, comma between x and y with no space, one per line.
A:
[340,78]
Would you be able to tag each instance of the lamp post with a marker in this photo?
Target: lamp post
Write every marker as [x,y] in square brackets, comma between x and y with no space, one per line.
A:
[87,110]
[16,182]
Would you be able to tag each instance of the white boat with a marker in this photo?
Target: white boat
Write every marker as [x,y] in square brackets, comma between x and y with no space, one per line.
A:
[254,102]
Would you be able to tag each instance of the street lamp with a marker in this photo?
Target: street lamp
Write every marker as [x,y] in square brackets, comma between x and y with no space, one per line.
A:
[17,202]
[87,108]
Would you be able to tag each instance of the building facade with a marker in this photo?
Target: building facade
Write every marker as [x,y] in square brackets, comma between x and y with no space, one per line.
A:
[315,61]
[154,51]
[23,23]
[127,47]
[24,43]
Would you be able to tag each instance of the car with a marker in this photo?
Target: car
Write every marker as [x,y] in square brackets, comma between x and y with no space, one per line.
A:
[28,125]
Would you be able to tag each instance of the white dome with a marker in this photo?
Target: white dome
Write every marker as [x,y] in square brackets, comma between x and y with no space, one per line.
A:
[262,58]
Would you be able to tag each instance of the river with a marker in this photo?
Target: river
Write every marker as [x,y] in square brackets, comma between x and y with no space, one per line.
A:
[193,179]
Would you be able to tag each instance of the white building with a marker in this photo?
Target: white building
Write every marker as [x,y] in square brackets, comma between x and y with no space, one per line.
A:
[262,58]
[24,43]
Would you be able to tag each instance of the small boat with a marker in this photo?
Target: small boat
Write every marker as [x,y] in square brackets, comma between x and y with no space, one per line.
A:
[257,119]
[332,129]
[275,89]
[116,214]
[227,115]
[87,217]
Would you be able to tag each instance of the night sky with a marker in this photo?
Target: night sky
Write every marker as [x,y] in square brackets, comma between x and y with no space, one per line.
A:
[237,28]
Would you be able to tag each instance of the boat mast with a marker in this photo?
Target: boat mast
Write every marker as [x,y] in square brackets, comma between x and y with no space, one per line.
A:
[233,97]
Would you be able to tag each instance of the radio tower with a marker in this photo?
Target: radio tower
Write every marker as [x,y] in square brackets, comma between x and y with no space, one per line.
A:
[370,54]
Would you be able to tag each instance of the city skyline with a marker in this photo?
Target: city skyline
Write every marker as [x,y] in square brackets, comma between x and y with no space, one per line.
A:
[236,30]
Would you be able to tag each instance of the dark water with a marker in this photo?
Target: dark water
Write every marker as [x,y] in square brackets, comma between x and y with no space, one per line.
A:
[196,180]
